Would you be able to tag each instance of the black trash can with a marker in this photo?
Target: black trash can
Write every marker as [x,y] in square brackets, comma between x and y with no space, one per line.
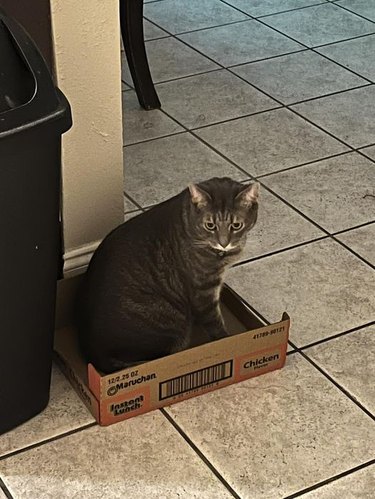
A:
[33,116]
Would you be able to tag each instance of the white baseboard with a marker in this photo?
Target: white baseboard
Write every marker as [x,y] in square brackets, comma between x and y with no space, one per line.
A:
[77,259]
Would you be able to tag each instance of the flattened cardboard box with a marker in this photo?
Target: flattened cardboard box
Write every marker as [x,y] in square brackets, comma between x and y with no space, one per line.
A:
[251,350]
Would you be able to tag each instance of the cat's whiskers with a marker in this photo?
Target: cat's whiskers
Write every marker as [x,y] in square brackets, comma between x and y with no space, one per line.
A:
[200,244]
[227,248]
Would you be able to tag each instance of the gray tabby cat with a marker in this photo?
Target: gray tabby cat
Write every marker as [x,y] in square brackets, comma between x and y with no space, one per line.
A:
[158,274]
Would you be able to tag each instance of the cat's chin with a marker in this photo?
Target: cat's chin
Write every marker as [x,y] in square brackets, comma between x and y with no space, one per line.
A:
[220,253]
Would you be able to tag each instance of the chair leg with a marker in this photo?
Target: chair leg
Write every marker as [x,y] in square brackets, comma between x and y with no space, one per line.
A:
[131,19]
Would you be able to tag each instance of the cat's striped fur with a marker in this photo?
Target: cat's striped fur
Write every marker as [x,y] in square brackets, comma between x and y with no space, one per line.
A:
[156,275]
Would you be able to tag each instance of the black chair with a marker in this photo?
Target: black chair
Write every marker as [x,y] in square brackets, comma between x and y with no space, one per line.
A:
[131,19]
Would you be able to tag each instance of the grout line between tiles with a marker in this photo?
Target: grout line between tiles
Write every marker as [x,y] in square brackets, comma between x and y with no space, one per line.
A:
[331,479]
[291,352]
[252,177]
[281,250]
[5,489]
[368,145]
[330,94]
[199,453]
[288,10]
[198,51]
[157,37]
[302,214]
[176,78]
[298,349]
[297,51]
[323,340]
[315,51]
[315,5]
[337,385]
[250,17]
[221,66]
[293,345]
[359,151]
[334,336]
[191,132]
[234,66]
[293,207]
[294,167]
[133,201]
[160,37]
[180,33]
[229,69]
[360,257]
[259,19]
[340,232]
[303,49]
[352,148]
[279,107]
[313,48]
[353,12]
[356,37]
[305,243]
[128,84]
[152,139]
[228,120]
[341,65]
[47,441]
[270,96]
[289,108]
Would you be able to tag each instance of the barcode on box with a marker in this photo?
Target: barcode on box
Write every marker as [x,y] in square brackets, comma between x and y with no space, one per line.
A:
[195,379]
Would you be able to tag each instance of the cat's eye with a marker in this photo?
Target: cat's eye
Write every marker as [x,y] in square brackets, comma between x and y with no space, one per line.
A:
[210,226]
[237,226]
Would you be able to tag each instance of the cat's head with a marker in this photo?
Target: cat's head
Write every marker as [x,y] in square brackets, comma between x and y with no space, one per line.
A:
[223,211]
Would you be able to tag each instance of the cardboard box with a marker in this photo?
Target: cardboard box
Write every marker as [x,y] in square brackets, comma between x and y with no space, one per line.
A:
[251,350]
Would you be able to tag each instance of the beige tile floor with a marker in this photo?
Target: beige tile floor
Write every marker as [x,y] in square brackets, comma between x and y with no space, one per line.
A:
[282,91]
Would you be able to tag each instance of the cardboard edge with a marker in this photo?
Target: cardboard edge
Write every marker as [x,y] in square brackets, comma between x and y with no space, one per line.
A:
[241,308]
[94,380]
[80,387]
[97,383]
[90,390]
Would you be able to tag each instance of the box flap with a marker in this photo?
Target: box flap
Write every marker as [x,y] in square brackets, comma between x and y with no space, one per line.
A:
[252,348]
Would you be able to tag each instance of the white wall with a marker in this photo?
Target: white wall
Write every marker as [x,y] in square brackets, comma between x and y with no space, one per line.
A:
[86,35]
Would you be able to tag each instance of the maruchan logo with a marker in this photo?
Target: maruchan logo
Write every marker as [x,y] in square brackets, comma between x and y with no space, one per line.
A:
[127,406]
[261,362]
[122,385]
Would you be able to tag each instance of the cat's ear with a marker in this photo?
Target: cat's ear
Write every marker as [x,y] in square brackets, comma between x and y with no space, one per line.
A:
[249,195]
[199,197]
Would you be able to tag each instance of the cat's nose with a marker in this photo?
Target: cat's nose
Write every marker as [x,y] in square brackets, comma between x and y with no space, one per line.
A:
[223,240]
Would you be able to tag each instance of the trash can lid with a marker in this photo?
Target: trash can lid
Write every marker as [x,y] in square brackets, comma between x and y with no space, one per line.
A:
[28,96]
